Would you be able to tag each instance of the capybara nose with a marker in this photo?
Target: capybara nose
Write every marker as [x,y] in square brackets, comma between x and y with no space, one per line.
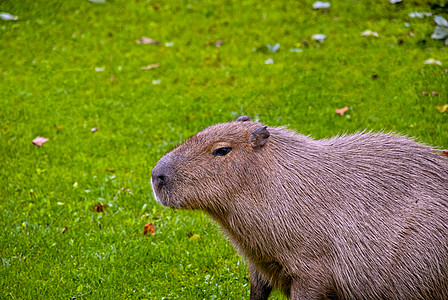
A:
[159,177]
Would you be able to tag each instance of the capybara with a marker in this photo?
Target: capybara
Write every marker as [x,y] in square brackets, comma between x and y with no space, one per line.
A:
[360,216]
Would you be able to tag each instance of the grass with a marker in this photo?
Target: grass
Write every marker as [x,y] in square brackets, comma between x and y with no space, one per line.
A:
[70,66]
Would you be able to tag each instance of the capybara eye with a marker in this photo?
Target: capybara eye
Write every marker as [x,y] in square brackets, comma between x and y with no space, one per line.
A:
[221,151]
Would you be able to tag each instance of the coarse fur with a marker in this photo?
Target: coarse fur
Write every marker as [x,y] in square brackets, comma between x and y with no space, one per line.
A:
[361,216]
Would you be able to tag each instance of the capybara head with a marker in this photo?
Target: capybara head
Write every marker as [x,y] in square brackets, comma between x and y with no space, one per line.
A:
[212,166]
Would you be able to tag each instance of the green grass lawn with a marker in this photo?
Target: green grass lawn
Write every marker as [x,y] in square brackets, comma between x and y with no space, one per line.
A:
[70,66]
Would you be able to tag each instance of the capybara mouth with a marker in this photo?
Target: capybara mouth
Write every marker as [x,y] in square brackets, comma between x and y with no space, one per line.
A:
[164,196]
[158,193]
[160,182]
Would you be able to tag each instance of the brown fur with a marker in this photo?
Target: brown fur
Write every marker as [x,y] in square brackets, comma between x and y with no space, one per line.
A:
[362,216]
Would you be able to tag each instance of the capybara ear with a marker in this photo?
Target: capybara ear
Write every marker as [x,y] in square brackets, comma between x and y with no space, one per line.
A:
[259,137]
[243,119]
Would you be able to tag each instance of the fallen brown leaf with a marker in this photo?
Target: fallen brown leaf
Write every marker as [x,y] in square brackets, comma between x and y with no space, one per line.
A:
[149,229]
[195,237]
[442,108]
[445,153]
[39,141]
[149,67]
[434,93]
[100,207]
[424,93]
[146,40]
[341,111]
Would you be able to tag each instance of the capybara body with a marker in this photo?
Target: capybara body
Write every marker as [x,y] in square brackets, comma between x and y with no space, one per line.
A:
[362,216]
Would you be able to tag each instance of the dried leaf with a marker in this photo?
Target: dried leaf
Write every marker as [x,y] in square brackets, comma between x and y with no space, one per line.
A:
[442,108]
[434,93]
[39,141]
[146,40]
[109,170]
[445,153]
[8,17]
[149,229]
[341,111]
[321,5]
[440,32]
[432,61]
[273,48]
[319,37]
[441,21]
[424,93]
[420,15]
[149,67]
[195,237]
[100,207]
[369,33]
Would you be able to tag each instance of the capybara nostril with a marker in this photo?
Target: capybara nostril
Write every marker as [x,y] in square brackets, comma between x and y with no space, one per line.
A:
[159,179]
[162,179]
